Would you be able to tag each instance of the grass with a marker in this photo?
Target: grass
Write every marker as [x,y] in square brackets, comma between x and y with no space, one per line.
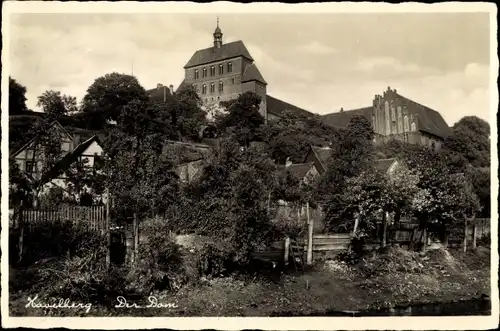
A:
[382,280]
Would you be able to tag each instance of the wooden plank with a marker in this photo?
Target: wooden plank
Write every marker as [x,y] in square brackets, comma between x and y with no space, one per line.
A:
[330,247]
[331,241]
[332,236]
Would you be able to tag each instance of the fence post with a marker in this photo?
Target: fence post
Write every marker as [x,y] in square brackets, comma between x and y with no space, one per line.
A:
[287,250]
[310,226]
[21,235]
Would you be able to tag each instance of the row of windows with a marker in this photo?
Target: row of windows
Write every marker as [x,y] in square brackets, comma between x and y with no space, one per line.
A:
[204,71]
[204,87]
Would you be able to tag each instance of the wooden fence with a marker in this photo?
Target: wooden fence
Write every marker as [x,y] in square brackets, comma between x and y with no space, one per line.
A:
[93,216]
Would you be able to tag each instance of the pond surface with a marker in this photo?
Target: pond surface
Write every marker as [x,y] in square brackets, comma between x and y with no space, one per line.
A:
[461,308]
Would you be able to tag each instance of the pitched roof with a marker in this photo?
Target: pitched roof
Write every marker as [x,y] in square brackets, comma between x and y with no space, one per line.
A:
[322,154]
[299,170]
[212,54]
[341,119]
[279,107]
[429,120]
[62,165]
[383,165]
[189,152]
[252,73]
[53,123]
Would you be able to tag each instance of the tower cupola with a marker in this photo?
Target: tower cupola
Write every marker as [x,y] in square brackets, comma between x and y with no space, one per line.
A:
[217,36]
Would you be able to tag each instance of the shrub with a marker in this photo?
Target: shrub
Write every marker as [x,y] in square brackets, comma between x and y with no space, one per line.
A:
[160,262]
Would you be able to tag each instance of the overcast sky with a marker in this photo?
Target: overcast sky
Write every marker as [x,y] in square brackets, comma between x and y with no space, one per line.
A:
[320,62]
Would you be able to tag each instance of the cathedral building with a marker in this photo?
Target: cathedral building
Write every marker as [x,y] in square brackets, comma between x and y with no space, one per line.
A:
[224,71]
[394,116]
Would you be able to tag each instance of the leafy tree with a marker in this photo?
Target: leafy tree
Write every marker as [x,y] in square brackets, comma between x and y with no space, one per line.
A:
[56,104]
[351,156]
[243,118]
[107,96]
[471,140]
[186,114]
[17,97]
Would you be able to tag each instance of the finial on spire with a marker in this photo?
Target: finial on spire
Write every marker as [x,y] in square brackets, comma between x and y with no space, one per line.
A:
[217,21]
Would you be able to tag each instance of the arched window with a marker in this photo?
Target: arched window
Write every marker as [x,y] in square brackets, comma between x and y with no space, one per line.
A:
[407,123]
[212,70]
[221,69]
[400,120]
[229,67]
[387,118]
[212,87]
[221,87]
[204,72]
[196,74]
[413,127]
[204,89]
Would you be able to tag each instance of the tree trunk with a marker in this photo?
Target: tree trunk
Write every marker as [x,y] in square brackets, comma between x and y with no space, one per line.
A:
[310,237]
[424,240]
[465,236]
[108,230]
[474,235]
[445,240]
[287,250]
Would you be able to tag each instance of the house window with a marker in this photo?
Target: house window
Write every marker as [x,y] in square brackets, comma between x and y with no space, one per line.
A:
[66,146]
[229,67]
[29,167]
[212,87]
[232,80]
[221,87]
[413,127]
[221,69]
[204,72]
[212,71]
[407,124]
[98,161]
[196,74]
[204,89]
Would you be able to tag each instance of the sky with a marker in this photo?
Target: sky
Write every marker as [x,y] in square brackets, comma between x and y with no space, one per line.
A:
[319,62]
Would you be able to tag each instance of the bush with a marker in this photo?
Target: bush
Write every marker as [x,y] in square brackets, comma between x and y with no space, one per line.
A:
[160,263]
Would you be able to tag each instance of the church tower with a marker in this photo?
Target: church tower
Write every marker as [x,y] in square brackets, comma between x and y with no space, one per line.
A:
[217,36]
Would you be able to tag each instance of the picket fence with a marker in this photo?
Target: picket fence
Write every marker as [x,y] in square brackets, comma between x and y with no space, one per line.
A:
[93,217]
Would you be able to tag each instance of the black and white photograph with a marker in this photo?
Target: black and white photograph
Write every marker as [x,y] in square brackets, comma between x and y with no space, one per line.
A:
[240,161]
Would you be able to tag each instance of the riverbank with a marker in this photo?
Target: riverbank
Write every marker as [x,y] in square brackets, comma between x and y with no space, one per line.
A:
[380,281]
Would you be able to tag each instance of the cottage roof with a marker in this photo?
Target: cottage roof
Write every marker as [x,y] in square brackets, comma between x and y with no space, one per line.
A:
[341,119]
[62,165]
[279,107]
[52,124]
[251,73]
[383,165]
[212,54]
[189,152]
[322,154]
[299,170]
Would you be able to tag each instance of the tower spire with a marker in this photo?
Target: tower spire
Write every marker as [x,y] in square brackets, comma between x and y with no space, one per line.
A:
[217,35]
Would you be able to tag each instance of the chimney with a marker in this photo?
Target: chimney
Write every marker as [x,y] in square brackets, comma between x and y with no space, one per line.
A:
[171,87]
[288,162]
[341,109]
[388,88]
[159,86]
[165,94]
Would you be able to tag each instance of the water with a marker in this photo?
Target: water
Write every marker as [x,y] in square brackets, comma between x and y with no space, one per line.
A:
[461,308]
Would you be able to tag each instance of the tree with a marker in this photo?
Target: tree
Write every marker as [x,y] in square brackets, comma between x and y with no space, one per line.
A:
[186,114]
[243,118]
[107,96]
[17,97]
[471,141]
[56,104]
[351,156]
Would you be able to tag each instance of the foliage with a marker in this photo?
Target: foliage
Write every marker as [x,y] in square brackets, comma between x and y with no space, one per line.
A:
[107,96]
[17,97]
[471,141]
[85,184]
[160,263]
[292,136]
[243,118]
[351,155]
[56,104]
[19,186]
[479,178]
[186,112]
